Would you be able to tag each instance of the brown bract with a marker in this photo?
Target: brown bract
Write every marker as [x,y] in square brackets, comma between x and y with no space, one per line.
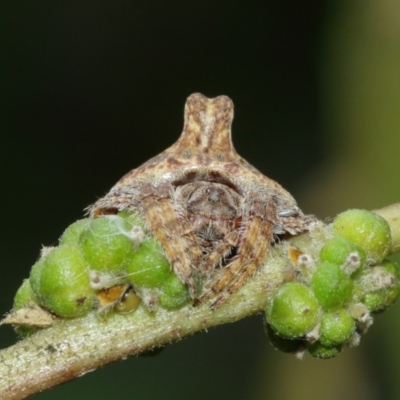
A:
[214,214]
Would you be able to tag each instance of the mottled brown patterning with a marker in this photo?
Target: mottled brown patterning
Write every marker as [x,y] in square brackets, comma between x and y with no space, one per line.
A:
[208,207]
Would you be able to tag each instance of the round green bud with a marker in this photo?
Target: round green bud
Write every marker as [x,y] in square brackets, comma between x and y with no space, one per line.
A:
[336,328]
[24,296]
[318,350]
[282,344]
[72,233]
[388,278]
[293,310]
[35,275]
[148,267]
[392,268]
[174,294]
[61,283]
[107,244]
[133,219]
[375,301]
[331,286]
[343,252]
[367,229]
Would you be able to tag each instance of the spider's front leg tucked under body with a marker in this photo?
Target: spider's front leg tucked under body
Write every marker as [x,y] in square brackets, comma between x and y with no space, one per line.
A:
[256,234]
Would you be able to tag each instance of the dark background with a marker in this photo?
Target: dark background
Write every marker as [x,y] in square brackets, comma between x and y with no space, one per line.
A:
[90,90]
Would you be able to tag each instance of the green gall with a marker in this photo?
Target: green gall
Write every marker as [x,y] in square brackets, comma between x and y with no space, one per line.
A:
[331,286]
[174,294]
[133,219]
[382,286]
[73,232]
[107,244]
[375,301]
[293,310]
[391,268]
[368,230]
[336,328]
[318,350]
[285,345]
[343,252]
[35,275]
[148,267]
[61,283]
[24,296]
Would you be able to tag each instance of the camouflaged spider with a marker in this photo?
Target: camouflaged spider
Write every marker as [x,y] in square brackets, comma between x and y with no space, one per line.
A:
[208,207]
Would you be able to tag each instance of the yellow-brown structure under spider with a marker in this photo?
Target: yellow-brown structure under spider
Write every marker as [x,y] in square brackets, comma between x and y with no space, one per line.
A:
[207,206]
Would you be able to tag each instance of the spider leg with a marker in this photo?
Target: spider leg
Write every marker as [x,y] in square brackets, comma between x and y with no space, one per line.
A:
[221,250]
[256,236]
[173,233]
[241,277]
[294,224]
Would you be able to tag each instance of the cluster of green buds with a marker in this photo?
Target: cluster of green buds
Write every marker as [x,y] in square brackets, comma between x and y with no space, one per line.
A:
[109,263]
[329,302]
[113,264]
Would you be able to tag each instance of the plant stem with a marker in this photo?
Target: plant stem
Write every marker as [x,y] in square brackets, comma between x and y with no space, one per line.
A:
[71,348]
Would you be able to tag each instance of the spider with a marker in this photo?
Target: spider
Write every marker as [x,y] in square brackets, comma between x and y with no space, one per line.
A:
[208,207]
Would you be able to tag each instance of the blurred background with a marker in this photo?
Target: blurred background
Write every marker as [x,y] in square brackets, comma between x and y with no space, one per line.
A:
[90,90]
